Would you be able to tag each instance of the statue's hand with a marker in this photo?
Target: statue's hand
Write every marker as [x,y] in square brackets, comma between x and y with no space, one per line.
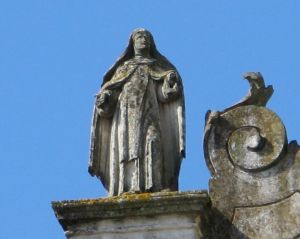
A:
[102,99]
[171,79]
[106,102]
[170,87]
[171,91]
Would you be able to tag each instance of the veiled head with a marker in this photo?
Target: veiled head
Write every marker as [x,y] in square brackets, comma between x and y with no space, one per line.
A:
[141,40]
[146,43]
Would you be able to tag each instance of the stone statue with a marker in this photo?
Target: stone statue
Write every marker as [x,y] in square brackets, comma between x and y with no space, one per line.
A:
[138,129]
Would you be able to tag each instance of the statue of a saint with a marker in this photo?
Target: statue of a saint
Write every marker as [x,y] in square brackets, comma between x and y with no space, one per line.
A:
[138,131]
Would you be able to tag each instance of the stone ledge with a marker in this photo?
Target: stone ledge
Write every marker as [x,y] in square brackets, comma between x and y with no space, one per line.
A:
[130,205]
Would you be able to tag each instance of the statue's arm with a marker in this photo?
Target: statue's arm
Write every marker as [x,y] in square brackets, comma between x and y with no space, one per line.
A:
[107,98]
[105,102]
[171,87]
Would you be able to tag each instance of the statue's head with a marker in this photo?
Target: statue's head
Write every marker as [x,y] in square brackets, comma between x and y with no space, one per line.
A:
[141,40]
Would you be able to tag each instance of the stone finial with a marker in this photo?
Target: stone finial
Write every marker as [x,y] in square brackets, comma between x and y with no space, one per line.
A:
[255,180]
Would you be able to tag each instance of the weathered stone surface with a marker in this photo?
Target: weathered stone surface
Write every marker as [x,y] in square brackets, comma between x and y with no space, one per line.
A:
[138,130]
[279,220]
[254,170]
[156,215]
[158,227]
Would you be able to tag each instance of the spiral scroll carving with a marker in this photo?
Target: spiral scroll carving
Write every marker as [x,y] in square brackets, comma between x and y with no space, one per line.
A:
[250,137]
[255,172]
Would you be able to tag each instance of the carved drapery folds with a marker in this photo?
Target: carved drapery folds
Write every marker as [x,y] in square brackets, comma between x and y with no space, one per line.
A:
[138,129]
[253,168]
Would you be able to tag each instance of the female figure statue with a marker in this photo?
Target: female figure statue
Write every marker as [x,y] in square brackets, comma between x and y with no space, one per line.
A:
[138,131]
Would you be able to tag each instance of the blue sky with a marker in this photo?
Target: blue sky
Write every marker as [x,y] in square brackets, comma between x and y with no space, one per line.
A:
[52,59]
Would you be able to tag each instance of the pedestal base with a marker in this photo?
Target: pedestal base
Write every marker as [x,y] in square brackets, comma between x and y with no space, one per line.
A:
[136,216]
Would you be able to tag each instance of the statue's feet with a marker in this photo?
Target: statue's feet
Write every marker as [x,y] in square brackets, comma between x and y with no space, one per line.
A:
[131,192]
[134,191]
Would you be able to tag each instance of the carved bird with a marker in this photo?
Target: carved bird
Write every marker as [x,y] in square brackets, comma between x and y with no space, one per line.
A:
[255,79]
[258,93]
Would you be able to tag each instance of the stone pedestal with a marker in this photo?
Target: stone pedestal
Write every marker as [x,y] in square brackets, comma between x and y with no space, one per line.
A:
[136,216]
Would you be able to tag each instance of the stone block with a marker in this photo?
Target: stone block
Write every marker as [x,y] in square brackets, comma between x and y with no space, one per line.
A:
[136,216]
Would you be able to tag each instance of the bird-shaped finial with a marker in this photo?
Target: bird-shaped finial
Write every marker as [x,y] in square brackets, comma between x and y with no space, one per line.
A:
[258,94]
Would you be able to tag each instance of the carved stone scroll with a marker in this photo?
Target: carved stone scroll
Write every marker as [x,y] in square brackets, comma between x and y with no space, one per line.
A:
[253,167]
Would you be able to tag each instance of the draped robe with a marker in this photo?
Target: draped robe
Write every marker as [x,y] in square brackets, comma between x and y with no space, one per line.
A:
[138,136]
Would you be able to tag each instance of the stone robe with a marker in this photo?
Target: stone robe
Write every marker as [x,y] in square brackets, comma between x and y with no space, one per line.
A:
[138,134]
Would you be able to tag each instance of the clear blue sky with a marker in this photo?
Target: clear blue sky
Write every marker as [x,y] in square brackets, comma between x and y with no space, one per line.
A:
[52,59]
